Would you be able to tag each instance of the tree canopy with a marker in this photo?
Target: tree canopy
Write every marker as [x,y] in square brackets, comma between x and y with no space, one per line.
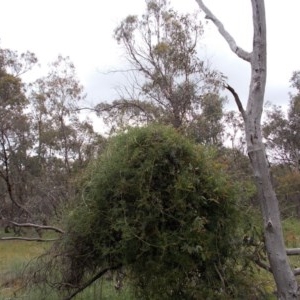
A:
[43,142]
[168,81]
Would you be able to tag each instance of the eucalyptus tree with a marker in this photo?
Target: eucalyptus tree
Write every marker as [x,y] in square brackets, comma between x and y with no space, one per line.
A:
[282,130]
[206,126]
[168,82]
[64,142]
[15,137]
[287,287]
[55,100]
[43,142]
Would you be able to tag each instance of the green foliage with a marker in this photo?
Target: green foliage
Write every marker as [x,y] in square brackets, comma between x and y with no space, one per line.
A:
[175,85]
[44,144]
[237,165]
[287,186]
[282,131]
[159,206]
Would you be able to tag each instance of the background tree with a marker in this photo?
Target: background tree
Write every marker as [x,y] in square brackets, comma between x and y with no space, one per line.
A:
[287,185]
[55,102]
[282,132]
[169,83]
[206,125]
[43,142]
[15,136]
[63,142]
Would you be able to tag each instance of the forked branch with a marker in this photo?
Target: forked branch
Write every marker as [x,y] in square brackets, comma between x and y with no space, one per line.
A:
[91,281]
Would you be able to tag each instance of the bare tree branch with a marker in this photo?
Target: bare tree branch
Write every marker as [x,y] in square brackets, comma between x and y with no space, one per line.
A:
[9,185]
[42,227]
[118,71]
[11,238]
[227,36]
[237,100]
[92,280]
[86,108]
[293,251]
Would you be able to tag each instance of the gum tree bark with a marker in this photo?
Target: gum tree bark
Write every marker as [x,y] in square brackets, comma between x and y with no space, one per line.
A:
[284,276]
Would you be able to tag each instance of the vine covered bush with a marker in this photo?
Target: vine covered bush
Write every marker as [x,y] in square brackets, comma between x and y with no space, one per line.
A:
[159,207]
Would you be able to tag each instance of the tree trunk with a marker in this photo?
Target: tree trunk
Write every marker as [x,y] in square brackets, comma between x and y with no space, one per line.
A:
[287,287]
[284,277]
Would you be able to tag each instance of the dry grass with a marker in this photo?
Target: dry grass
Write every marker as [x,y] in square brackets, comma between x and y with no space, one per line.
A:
[14,255]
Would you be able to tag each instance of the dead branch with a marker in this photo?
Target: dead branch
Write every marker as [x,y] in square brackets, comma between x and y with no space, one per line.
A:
[229,39]
[92,280]
[11,238]
[237,100]
[297,271]
[86,108]
[220,276]
[293,251]
[118,71]
[42,227]
[263,265]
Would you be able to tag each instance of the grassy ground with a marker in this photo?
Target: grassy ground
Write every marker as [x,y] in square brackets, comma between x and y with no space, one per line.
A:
[291,228]
[292,237]
[14,255]
[103,290]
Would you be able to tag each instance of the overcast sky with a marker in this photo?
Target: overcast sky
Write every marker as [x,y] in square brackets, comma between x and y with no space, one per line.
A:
[83,30]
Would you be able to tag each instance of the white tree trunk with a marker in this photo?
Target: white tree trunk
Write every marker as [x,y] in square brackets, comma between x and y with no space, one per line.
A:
[287,287]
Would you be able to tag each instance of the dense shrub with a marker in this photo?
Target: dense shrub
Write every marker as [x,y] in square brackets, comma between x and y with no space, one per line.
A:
[159,206]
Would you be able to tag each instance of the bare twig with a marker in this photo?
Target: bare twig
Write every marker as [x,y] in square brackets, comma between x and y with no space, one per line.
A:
[220,276]
[86,108]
